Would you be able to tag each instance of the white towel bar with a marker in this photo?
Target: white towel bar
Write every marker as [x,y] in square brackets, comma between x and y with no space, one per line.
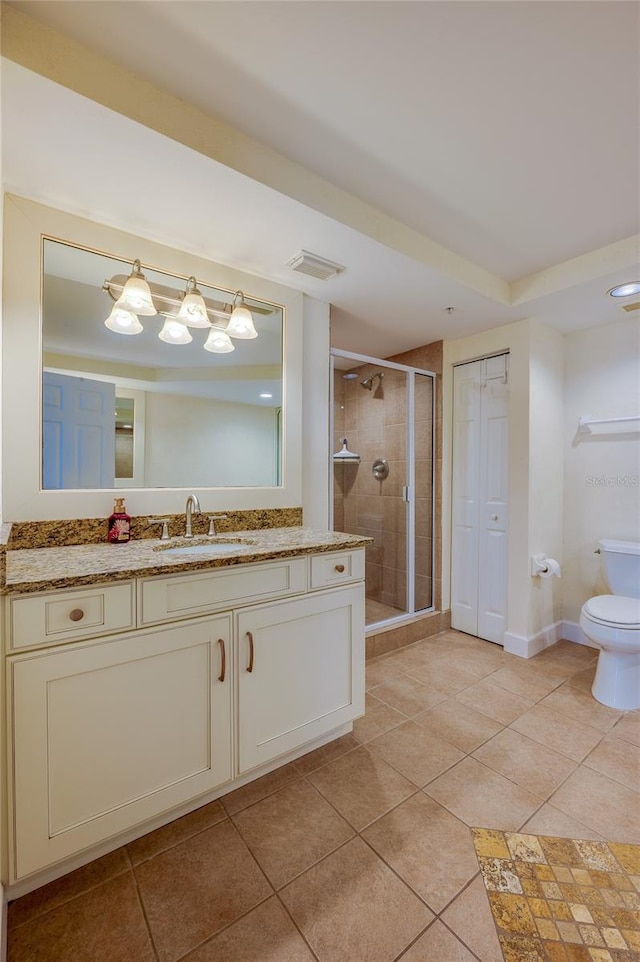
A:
[584,423]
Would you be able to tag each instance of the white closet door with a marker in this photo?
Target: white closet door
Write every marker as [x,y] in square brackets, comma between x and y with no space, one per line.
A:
[467,379]
[479,542]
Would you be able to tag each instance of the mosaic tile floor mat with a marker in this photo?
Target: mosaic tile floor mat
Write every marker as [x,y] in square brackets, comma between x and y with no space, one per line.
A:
[561,899]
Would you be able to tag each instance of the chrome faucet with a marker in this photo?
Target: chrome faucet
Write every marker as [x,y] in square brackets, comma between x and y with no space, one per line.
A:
[192,505]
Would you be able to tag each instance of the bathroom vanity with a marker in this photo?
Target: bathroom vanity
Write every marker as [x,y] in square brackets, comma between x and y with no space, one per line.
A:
[164,683]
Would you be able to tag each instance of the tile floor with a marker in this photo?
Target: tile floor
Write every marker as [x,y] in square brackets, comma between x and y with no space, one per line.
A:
[376,611]
[361,850]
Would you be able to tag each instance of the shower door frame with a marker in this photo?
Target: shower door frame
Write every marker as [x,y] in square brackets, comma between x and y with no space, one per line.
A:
[409,487]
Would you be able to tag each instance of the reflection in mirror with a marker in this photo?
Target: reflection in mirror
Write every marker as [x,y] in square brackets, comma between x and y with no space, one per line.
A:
[143,410]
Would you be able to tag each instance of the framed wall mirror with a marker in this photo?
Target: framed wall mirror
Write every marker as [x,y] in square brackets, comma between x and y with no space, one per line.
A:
[175,417]
[154,401]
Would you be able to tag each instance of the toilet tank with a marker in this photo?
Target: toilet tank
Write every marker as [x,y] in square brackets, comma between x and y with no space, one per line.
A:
[621,561]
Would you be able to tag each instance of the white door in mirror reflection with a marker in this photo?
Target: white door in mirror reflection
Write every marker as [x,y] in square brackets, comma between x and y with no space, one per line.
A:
[78,432]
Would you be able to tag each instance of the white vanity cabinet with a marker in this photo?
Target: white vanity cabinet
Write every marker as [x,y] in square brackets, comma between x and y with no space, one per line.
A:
[113,733]
[300,672]
[110,732]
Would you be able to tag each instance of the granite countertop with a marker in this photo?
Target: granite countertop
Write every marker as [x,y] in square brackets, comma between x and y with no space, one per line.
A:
[40,569]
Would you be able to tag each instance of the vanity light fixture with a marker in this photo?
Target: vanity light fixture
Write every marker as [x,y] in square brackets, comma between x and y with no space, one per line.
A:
[174,332]
[181,310]
[218,342]
[193,310]
[241,322]
[123,322]
[625,290]
[136,295]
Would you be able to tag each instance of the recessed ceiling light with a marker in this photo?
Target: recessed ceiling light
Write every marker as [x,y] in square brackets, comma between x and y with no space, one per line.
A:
[266,395]
[625,290]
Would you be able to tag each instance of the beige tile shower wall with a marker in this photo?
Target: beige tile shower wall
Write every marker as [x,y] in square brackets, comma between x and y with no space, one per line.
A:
[374,423]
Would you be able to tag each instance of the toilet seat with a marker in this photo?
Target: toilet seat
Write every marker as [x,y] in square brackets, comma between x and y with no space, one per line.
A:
[614,611]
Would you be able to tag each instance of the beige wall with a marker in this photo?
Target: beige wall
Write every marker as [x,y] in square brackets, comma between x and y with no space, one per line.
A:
[224,444]
[601,470]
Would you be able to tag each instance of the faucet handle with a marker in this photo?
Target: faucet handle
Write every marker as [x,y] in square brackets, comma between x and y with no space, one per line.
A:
[165,527]
[212,522]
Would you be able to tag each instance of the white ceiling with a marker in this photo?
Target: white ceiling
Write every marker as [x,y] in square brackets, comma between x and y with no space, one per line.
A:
[507,132]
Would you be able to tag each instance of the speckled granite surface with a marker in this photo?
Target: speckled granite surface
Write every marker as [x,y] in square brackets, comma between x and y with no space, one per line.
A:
[39,569]
[56,534]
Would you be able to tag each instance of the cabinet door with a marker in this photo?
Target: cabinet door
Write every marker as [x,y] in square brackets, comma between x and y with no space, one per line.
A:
[108,735]
[300,672]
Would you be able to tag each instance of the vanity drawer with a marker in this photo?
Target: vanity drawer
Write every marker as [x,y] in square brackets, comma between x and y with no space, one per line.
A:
[55,617]
[336,568]
[185,596]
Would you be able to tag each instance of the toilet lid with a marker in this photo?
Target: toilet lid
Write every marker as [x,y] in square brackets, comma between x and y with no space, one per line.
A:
[614,610]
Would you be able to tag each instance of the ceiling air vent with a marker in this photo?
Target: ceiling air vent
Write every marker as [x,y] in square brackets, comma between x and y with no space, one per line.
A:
[631,307]
[314,266]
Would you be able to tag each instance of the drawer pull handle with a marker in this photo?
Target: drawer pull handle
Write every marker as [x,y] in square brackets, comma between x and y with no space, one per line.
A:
[250,665]
[339,568]
[76,615]
[223,660]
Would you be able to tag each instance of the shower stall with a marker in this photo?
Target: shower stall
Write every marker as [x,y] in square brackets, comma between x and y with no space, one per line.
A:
[383,478]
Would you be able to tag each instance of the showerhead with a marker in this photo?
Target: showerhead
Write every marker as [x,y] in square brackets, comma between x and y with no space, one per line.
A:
[368,381]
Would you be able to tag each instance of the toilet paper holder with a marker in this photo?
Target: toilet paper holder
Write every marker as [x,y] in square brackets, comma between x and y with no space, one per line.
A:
[544,567]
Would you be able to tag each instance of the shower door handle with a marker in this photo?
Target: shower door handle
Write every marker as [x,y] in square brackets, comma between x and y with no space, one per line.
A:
[406,492]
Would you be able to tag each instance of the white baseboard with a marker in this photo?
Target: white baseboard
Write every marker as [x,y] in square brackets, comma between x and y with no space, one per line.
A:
[571,631]
[528,647]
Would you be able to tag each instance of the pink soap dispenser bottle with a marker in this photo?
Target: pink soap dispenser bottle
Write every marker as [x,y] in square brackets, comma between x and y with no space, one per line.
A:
[119,524]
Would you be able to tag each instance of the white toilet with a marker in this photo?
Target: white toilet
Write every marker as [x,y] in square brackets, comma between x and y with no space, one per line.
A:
[612,622]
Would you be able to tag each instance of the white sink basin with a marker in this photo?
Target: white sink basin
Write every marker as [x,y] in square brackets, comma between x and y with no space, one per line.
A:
[218,548]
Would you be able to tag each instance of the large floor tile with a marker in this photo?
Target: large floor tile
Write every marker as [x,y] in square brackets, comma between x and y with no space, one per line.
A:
[549,820]
[105,924]
[583,679]
[482,797]
[628,728]
[378,671]
[442,676]
[326,753]
[438,943]
[582,707]
[197,888]
[555,731]
[525,680]
[415,752]
[464,727]
[617,759]
[428,847]
[291,830]
[566,655]
[407,695]
[351,906]
[469,916]
[176,831]
[604,805]
[378,718]
[361,786]
[266,934]
[495,702]
[479,661]
[64,889]
[249,794]
[527,763]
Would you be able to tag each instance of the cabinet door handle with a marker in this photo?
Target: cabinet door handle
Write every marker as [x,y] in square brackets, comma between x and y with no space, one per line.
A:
[339,568]
[250,665]
[223,660]
[76,615]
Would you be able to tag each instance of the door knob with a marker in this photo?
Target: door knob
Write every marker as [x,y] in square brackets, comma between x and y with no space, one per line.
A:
[494,517]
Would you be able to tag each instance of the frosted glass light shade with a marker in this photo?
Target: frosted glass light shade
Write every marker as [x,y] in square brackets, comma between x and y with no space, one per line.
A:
[193,310]
[241,322]
[136,297]
[218,342]
[123,322]
[174,332]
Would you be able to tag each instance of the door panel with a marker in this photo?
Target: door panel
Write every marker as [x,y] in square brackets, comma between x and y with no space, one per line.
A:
[479,495]
[78,431]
